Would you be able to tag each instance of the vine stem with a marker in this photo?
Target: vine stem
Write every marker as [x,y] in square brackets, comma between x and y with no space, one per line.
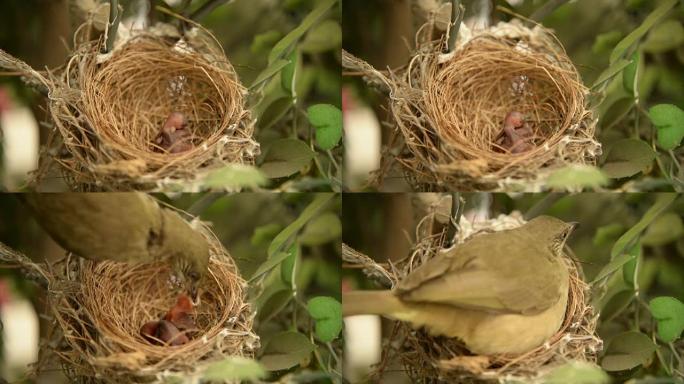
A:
[546,9]
[114,19]
[457,12]
[207,8]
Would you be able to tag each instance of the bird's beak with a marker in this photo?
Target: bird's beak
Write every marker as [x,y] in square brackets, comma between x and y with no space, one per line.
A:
[193,292]
[574,225]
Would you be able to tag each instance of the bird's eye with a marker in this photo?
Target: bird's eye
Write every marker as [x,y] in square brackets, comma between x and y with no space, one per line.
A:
[193,275]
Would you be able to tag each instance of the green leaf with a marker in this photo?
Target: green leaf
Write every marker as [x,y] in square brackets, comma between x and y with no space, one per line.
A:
[275,111]
[669,312]
[663,200]
[327,119]
[629,75]
[285,157]
[272,306]
[328,315]
[607,234]
[648,80]
[325,36]
[663,230]
[320,201]
[617,110]
[611,71]
[286,350]
[265,41]
[235,176]
[280,49]
[577,176]
[576,372]
[274,259]
[629,270]
[605,41]
[287,76]
[275,256]
[265,233]
[628,350]
[269,72]
[627,157]
[323,229]
[664,37]
[287,267]
[669,120]
[616,263]
[234,368]
[616,304]
[639,32]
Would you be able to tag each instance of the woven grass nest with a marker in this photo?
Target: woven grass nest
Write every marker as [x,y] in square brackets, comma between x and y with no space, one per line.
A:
[99,308]
[427,358]
[449,109]
[108,108]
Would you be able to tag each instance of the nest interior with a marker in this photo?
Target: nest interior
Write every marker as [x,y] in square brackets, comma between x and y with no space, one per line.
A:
[449,108]
[428,358]
[99,308]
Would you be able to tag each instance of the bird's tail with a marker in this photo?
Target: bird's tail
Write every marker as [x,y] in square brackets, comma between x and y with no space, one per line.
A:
[370,303]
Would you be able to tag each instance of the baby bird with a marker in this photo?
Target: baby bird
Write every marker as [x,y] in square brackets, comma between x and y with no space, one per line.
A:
[516,133]
[174,328]
[173,136]
[163,332]
[181,314]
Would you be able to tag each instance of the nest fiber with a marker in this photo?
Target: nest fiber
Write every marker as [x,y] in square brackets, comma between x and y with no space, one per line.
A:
[428,358]
[109,108]
[450,109]
[98,309]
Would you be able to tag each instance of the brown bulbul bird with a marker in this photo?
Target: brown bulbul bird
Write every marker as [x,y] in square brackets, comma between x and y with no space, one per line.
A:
[173,137]
[503,292]
[127,227]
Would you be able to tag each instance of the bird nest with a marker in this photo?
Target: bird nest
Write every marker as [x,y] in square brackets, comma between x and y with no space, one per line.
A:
[98,309]
[108,111]
[449,109]
[427,358]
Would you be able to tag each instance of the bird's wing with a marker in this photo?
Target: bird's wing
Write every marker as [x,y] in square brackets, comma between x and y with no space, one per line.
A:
[484,273]
[98,226]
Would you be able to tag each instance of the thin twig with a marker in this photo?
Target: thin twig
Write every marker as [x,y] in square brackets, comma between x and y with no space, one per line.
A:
[543,205]
[207,8]
[546,9]
[457,12]
[456,210]
[114,19]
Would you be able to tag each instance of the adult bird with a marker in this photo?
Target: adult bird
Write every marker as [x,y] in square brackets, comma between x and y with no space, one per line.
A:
[125,227]
[503,292]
